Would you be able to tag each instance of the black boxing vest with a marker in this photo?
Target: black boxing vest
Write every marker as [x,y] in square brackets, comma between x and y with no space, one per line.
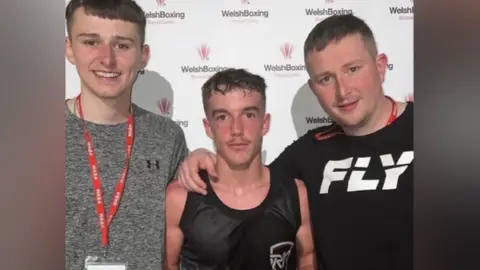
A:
[219,237]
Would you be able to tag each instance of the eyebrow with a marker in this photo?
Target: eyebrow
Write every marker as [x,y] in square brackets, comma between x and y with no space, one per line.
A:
[356,61]
[246,109]
[94,35]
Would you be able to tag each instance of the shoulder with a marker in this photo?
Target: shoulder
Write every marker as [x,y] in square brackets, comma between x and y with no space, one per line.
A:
[311,136]
[291,159]
[405,110]
[303,142]
[409,108]
[176,194]
[403,126]
[325,133]
[303,145]
[176,199]
[325,128]
[158,124]
[175,189]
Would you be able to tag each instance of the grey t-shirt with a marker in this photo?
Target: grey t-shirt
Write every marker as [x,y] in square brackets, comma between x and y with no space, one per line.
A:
[137,232]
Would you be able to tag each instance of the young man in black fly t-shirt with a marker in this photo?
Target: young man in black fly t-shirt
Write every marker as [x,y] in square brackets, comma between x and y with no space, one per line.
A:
[358,171]
[251,218]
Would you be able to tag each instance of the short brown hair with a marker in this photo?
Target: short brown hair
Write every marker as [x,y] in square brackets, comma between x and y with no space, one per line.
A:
[335,28]
[125,10]
[227,80]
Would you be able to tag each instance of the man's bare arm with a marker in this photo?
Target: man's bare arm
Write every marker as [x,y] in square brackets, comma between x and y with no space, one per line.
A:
[305,246]
[176,197]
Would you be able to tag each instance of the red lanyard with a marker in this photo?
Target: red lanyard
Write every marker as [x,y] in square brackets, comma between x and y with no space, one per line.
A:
[97,183]
[335,130]
[393,115]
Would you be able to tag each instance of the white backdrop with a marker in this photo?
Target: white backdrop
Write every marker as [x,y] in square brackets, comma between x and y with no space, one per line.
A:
[192,39]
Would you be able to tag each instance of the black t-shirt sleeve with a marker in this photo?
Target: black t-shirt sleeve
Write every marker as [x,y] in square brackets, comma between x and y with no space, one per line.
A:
[288,162]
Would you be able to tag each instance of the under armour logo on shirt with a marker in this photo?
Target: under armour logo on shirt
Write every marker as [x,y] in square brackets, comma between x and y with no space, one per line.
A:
[156,164]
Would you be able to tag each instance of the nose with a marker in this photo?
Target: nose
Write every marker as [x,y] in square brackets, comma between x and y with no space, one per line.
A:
[107,54]
[342,89]
[237,127]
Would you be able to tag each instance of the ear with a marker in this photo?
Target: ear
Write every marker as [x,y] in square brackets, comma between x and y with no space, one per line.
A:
[145,56]
[266,124]
[69,51]
[382,62]
[208,129]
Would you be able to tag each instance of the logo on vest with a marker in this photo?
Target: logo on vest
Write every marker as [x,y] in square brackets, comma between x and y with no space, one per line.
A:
[336,170]
[279,254]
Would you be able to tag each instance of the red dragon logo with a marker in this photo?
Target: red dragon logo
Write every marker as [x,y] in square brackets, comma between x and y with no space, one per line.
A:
[203,51]
[287,50]
[164,106]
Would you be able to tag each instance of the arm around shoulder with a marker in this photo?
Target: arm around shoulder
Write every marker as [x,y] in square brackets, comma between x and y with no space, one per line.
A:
[305,244]
[176,198]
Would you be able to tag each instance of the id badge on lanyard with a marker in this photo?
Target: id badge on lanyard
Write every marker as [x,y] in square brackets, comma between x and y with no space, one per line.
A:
[97,263]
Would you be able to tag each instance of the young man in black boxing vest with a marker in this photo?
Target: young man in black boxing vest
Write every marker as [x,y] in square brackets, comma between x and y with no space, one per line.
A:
[252,218]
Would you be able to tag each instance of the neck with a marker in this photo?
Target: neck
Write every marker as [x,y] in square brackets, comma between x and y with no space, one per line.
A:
[377,120]
[103,111]
[247,176]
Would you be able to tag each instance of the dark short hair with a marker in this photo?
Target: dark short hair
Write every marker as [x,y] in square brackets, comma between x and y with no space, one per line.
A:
[335,28]
[231,79]
[125,10]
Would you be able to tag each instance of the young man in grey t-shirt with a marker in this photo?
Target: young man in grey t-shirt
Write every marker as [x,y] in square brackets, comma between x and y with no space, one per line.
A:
[108,138]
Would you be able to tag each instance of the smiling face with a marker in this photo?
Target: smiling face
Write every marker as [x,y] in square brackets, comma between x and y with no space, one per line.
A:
[107,53]
[347,80]
[236,122]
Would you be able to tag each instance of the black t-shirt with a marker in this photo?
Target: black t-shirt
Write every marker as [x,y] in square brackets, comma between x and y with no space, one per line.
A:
[360,191]
[219,237]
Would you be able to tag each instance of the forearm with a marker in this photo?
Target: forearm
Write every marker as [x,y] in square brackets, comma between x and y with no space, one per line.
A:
[175,202]
[171,267]
[306,262]
[172,259]
[172,249]
[305,243]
